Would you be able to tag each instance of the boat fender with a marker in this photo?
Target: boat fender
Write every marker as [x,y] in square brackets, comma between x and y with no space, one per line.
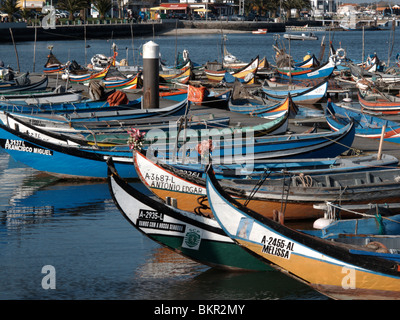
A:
[322,223]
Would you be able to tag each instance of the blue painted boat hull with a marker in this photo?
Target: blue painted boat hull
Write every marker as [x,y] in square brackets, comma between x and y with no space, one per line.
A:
[64,161]
[315,145]
[304,95]
[366,126]
[61,156]
[302,73]
[372,226]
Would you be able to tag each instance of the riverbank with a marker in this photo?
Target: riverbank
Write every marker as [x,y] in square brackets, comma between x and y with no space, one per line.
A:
[186,31]
[21,33]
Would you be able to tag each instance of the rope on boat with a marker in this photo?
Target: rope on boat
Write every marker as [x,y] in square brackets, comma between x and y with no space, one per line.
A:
[305,180]
[330,204]
[209,101]
[284,201]
[357,151]
[258,185]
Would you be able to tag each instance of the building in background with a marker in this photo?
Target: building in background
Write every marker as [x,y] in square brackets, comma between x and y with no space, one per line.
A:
[323,7]
[31,4]
[347,8]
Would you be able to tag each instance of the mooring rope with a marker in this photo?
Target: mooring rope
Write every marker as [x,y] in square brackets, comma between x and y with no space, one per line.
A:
[360,213]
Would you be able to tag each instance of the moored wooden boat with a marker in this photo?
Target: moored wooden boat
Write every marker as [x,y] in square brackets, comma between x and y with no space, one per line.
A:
[366,126]
[116,131]
[299,84]
[378,220]
[276,126]
[311,62]
[70,107]
[123,84]
[379,78]
[41,97]
[216,98]
[379,103]
[176,94]
[302,96]
[276,169]
[246,74]
[158,128]
[193,236]
[295,191]
[53,65]
[86,77]
[41,84]
[241,101]
[323,71]
[63,156]
[336,270]
[250,148]
[166,71]
[180,78]
[302,37]
[263,109]
[260,31]
[116,107]
[168,131]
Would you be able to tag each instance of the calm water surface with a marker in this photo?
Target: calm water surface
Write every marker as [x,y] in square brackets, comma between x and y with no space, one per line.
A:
[202,48]
[76,228]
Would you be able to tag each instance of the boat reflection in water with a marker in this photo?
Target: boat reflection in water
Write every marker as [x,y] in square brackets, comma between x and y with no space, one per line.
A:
[187,279]
[40,196]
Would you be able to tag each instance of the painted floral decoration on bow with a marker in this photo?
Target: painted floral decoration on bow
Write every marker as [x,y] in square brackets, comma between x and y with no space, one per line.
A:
[136,139]
[205,148]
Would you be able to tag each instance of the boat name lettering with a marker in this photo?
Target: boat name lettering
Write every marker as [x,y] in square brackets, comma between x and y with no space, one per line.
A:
[168,183]
[192,173]
[20,145]
[150,215]
[314,73]
[277,247]
[159,177]
[160,225]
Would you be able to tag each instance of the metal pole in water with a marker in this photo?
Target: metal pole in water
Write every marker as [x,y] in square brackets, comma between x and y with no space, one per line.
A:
[151,56]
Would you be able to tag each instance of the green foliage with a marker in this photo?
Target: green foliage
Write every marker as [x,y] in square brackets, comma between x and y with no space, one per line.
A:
[102,6]
[9,7]
[72,6]
[264,6]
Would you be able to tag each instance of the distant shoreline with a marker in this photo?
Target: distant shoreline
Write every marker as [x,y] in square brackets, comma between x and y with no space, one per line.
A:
[21,32]
[189,31]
